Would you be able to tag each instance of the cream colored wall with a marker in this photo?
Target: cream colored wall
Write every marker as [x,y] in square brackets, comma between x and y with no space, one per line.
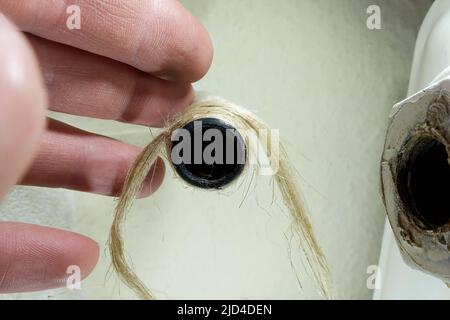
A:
[312,69]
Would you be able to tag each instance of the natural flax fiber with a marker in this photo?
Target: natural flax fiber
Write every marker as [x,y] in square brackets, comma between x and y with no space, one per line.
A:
[245,122]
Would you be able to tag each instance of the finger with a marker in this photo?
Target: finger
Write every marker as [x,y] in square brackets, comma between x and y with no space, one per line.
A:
[86,84]
[160,37]
[22,105]
[38,258]
[74,159]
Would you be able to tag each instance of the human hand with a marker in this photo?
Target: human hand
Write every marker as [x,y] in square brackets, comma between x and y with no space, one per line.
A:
[131,62]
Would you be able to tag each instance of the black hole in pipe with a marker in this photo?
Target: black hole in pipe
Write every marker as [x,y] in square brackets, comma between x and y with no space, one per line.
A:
[202,173]
[424,182]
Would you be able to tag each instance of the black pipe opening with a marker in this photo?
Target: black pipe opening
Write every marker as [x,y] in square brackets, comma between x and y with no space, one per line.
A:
[229,157]
[423,182]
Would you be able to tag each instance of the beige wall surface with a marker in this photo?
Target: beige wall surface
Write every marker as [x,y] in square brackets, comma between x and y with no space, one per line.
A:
[313,70]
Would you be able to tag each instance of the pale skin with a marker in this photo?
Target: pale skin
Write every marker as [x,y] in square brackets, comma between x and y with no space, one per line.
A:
[132,61]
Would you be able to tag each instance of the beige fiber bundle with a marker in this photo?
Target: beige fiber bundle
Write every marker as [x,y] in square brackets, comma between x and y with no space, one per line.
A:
[244,122]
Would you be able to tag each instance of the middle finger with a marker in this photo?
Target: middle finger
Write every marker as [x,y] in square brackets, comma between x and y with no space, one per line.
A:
[86,84]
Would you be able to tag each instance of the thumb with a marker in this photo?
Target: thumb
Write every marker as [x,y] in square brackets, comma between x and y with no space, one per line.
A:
[31,257]
[22,105]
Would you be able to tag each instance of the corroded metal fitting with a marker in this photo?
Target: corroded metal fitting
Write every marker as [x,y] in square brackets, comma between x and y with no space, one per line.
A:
[415,179]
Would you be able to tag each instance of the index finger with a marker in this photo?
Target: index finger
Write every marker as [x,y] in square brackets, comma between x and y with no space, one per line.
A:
[156,36]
